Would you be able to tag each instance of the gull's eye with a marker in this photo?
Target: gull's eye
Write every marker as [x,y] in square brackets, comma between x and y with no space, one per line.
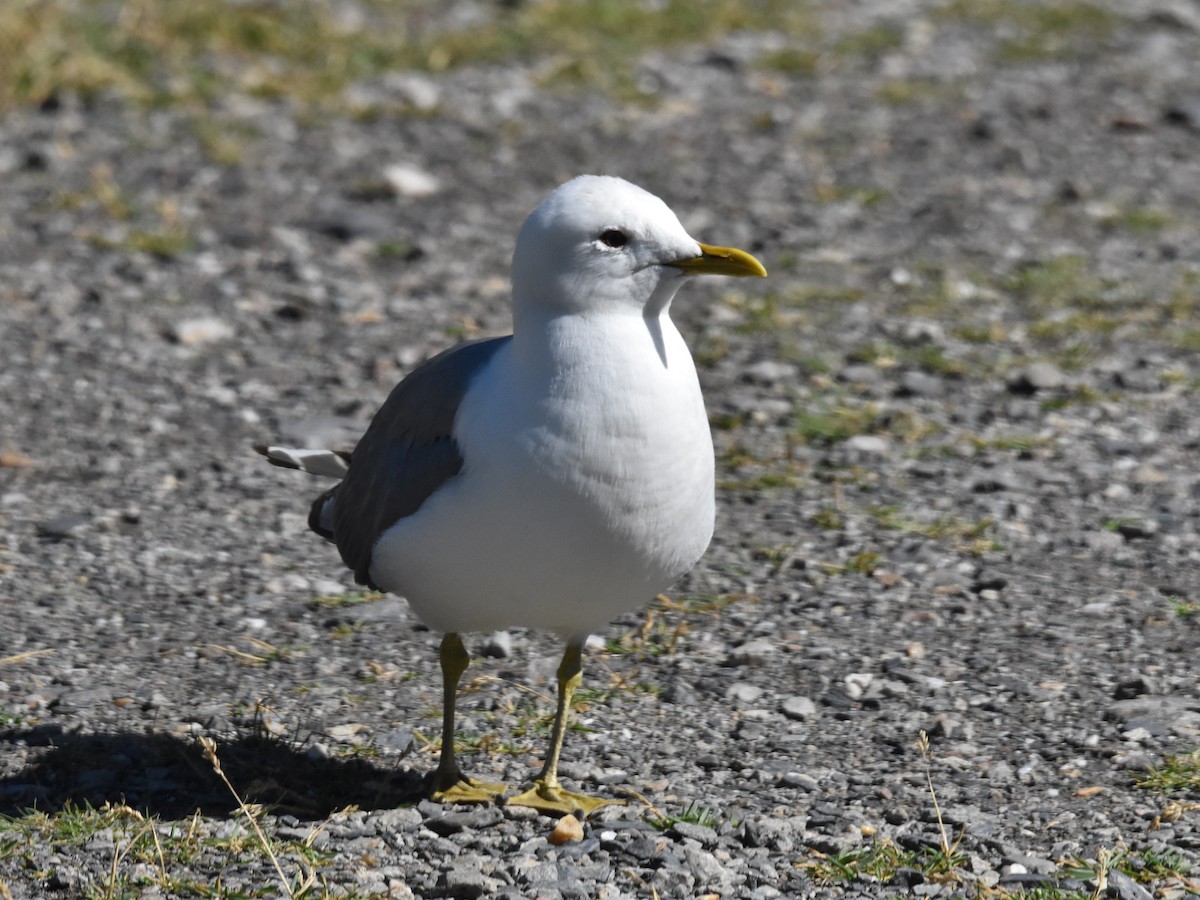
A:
[611,237]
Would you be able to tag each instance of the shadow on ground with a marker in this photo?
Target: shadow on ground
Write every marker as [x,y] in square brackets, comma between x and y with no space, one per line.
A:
[168,777]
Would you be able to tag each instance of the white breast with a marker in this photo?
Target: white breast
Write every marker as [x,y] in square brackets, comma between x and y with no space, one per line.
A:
[587,486]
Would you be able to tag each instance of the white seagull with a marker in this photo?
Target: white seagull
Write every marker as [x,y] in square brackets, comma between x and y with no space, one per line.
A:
[556,477]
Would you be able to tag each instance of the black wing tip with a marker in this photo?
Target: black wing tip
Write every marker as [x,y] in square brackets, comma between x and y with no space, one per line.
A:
[265,451]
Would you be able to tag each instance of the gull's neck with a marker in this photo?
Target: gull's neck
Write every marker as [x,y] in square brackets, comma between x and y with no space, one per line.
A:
[537,323]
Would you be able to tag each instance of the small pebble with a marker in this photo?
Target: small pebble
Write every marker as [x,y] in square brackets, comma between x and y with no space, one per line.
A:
[566,830]
[205,330]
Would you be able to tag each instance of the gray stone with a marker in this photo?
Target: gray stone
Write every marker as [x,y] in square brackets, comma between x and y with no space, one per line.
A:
[202,330]
[408,180]
[464,882]
[798,708]
[705,868]
[869,445]
[702,834]
[744,694]
[1125,887]
[1033,864]
[497,645]
[1038,376]
[996,480]
[770,371]
[1138,529]
[63,526]
[775,834]
[916,383]
[799,780]
[454,822]
[403,819]
[860,373]
[754,653]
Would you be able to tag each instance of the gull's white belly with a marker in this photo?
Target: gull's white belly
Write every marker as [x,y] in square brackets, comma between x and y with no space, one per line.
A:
[577,502]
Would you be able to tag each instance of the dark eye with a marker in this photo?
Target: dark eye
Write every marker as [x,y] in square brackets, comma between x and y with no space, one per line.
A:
[611,237]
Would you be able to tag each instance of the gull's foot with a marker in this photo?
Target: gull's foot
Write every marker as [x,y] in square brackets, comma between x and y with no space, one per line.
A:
[466,790]
[549,798]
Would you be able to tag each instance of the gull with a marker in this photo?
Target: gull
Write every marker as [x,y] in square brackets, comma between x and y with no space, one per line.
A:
[555,478]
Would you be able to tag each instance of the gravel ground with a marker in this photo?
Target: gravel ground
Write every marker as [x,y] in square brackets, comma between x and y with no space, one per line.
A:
[957,450]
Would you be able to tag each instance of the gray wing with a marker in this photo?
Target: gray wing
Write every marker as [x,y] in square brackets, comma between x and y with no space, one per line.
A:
[407,453]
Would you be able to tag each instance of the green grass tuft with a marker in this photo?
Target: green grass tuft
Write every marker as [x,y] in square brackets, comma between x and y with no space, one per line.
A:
[195,54]
[693,813]
[1177,774]
[1031,32]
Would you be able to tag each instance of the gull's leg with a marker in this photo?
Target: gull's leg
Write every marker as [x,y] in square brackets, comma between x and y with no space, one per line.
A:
[547,794]
[449,784]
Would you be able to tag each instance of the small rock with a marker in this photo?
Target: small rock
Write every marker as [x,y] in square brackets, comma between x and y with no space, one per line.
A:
[62,526]
[101,841]
[1147,475]
[705,867]
[1039,376]
[859,373]
[567,829]
[1140,379]
[770,371]
[1134,687]
[996,480]
[744,694]
[1035,864]
[1138,530]
[395,740]
[1102,541]
[404,819]
[410,181]
[464,882]
[916,332]
[908,878]
[869,445]
[798,709]
[774,834]
[857,684]
[754,653]
[1126,888]
[799,780]
[989,580]
[921,384]
[1118,492]
[423,93]
[201,330]
[701,834]
[497,646]
[65,878]
[454,822]
[672,882]
[344,732]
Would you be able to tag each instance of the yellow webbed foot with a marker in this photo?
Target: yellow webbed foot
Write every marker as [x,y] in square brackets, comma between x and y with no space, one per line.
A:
[549,798]
[467,790]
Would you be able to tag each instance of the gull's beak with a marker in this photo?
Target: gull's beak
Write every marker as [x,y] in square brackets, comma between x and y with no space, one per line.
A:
[721,261]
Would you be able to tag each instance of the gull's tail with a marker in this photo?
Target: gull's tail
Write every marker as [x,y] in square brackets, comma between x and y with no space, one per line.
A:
[326,463]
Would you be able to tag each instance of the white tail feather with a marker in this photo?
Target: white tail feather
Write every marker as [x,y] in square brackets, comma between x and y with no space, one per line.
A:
[326,463]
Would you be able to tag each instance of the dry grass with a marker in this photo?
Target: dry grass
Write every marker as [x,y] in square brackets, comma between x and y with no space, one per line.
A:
[198,53]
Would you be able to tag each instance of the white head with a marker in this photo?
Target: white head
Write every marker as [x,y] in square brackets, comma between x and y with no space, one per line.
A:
[601,244]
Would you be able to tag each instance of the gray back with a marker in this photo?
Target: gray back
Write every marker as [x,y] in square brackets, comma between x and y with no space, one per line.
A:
[408,452]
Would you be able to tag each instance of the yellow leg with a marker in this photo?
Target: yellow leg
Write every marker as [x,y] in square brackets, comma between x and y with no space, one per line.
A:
[449,784]
[547,794]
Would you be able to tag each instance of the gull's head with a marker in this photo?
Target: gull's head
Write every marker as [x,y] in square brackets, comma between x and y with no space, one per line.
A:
[601,244]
